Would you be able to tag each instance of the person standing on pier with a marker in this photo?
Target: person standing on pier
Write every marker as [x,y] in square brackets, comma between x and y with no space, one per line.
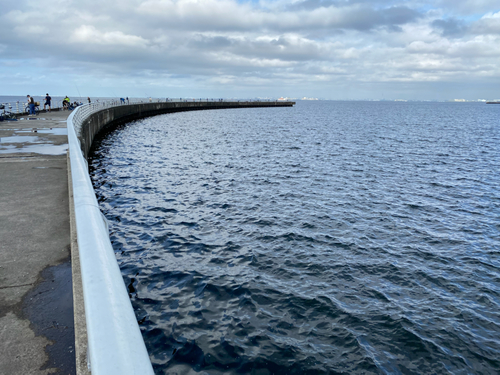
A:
[31,104]
[47,101]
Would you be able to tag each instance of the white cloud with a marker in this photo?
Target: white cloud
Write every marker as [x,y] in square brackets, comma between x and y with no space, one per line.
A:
[90,35]
[491,15]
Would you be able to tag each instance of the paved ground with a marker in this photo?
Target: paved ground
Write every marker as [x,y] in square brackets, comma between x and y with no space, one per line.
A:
[36,298]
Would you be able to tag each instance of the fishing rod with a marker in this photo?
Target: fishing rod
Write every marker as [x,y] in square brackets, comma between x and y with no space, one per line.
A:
[80,95]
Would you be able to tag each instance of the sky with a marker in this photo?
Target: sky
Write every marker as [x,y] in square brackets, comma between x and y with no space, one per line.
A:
[330,49]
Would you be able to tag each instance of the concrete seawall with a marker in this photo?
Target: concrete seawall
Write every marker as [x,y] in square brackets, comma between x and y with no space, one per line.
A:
[115,344]
[125,113]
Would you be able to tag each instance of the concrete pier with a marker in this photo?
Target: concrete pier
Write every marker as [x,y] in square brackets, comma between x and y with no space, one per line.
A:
[36,304]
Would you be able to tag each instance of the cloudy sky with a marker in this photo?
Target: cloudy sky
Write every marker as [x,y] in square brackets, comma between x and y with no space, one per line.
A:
[333,49]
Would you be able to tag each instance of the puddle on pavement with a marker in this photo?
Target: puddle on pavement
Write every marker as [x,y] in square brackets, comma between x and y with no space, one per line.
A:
[55,131]
[19,139]
[44,149]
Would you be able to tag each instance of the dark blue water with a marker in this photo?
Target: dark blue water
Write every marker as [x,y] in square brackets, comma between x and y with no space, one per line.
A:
[332,237]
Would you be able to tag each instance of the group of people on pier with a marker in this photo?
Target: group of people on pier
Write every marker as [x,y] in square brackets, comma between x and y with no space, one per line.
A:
[66,104]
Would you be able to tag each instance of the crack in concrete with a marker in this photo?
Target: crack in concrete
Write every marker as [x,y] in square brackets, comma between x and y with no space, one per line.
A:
[16,286]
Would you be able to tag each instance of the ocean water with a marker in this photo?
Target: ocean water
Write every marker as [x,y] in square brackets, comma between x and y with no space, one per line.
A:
[328,238]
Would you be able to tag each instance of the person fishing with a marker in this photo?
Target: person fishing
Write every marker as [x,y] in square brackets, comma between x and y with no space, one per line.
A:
[31,104]
[66,102]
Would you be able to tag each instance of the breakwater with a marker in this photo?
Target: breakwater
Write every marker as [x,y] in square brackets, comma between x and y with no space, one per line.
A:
[119,114]
[115,344]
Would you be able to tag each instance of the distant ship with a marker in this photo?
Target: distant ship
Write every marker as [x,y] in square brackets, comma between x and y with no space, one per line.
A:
[495,102]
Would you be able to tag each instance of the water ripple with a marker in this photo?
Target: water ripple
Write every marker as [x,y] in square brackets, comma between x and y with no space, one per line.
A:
[330,238]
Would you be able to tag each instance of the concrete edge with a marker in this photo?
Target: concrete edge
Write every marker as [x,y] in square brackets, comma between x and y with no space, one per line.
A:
[81,351]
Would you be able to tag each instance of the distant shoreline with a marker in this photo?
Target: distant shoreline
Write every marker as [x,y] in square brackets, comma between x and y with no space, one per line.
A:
[56,98]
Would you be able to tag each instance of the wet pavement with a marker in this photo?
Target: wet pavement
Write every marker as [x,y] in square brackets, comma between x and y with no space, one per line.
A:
[46,135]
[36,298]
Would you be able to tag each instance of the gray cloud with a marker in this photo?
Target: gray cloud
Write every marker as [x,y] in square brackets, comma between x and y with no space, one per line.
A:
[362,15]
[450,27]
[489,25]
[366,19]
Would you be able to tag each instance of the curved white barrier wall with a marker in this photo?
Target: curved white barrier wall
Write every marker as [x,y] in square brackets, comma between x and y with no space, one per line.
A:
[115,343]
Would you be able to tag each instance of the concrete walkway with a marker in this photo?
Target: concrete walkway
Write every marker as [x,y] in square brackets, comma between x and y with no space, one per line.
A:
[36,298]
